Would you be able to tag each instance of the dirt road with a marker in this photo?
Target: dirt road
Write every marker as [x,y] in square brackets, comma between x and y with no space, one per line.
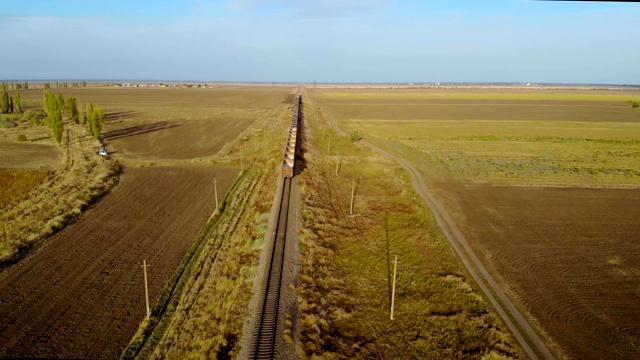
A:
[529,340]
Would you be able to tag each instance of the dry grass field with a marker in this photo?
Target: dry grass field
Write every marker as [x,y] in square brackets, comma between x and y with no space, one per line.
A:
[543,184]
[506,140]
[162,201]
[344,286]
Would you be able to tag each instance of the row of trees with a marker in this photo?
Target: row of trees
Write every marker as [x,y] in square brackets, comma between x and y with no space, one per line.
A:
[56,106]
[65,84]
[20,86]
[9,104]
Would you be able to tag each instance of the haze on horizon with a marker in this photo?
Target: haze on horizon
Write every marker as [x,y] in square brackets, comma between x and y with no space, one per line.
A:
[361,41]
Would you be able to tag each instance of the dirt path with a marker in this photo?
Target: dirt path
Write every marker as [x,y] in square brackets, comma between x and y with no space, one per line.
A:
[524,333]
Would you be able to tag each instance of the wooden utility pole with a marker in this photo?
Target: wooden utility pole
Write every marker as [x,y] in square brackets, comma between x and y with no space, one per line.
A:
[393,292]
[337,163]
[215,190]
[353,192]
[146,287]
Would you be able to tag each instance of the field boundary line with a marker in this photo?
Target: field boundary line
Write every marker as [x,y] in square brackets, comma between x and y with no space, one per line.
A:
[512,317]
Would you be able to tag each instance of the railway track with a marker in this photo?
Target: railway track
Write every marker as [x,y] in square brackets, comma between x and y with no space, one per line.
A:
[266,335]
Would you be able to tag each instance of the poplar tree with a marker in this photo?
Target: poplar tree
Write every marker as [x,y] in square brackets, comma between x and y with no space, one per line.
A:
[56,125]
[4,100]
[71,109]
[95,120]
[54,115]
[17,104]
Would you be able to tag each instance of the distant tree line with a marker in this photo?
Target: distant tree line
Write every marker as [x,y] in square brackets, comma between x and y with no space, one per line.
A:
[64,84]
[20,86]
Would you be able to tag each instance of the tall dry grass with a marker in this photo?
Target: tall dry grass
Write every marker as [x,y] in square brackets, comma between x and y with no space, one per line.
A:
[344,293]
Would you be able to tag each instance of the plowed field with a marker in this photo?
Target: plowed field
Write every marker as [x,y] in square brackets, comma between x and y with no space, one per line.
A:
[172,139]
[572,254]
[82,294]
[29,156]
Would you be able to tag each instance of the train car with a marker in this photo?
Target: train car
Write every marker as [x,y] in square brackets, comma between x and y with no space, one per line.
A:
[292,148]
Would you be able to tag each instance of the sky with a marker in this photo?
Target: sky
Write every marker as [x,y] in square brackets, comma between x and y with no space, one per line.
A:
[326,41]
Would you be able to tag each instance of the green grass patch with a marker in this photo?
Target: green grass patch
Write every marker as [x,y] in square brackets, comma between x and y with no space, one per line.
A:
[518,152]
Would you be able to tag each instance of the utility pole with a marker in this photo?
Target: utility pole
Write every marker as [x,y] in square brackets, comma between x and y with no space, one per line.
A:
[393,292]
[215,190]
[328,145]
[241,163]
[353,192]
[337,163]
[146,287]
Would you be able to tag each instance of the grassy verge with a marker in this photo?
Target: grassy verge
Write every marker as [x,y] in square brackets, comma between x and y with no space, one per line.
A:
[201,311]
[344,299]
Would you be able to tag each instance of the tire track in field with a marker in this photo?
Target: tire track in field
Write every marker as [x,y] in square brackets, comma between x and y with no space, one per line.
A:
[528,339]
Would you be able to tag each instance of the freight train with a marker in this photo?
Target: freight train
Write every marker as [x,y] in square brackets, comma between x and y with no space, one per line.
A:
[292,149]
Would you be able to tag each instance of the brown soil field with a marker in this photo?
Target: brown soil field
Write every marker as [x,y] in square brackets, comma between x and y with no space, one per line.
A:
[14,184]
[572,255]
[82,294]
[172,139]
[171,123]
[30,156]
[465,109]
[24,166]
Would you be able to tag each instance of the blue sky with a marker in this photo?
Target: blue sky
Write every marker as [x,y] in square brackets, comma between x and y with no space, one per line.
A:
[321,40]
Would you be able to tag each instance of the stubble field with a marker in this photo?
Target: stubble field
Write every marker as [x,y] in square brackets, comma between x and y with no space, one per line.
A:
[81,294]
[544,185]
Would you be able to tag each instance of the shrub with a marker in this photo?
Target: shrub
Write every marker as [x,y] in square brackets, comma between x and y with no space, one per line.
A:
[22,138]
[6,121]
[355,136]
[35,117]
